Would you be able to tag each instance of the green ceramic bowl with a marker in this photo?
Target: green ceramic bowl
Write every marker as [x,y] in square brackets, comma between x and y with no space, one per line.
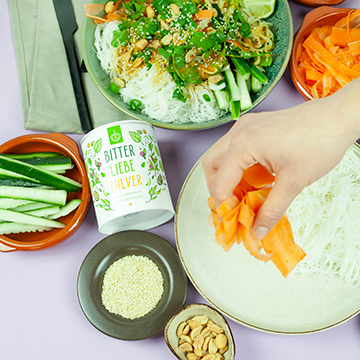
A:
[282,27]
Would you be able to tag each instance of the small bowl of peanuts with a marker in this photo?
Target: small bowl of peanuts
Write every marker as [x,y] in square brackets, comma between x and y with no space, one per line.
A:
[199,332]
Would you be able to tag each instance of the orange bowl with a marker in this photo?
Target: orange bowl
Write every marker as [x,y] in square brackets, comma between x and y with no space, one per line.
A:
[316,3]
[320,16]
[58,143]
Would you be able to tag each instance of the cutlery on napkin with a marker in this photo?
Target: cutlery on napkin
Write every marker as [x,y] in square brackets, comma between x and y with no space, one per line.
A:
[47,94]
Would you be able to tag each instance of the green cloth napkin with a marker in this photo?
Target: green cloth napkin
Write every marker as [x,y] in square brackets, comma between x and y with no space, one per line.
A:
[47,95]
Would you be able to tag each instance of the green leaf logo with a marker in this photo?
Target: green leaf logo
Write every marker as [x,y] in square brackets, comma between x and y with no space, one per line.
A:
[135,136]
[98,145]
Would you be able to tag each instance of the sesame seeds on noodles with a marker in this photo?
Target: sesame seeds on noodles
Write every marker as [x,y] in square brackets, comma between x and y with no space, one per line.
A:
[132,287]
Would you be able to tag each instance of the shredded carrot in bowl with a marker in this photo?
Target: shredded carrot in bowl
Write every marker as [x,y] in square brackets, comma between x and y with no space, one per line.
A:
[329,57]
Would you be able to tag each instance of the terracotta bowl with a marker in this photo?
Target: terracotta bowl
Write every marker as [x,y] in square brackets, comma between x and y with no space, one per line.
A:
[189,312]
[59,143]
[316,3]
[320,16]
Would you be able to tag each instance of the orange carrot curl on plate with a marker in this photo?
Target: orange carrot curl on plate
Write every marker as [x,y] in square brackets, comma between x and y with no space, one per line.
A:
[330,56]
[234,218]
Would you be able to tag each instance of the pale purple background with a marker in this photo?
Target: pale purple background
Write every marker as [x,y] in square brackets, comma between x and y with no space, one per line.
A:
[40,317]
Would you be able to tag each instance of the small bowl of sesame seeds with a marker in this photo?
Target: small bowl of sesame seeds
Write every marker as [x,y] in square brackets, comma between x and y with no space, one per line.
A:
[198,331]
[130,284]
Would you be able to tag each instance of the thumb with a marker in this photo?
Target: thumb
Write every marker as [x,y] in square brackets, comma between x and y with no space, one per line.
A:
[274,207]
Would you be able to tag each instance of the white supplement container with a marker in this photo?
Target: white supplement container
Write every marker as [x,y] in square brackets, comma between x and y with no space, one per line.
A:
[126,177]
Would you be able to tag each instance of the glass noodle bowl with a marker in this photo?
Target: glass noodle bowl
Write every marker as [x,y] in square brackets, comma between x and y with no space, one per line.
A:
[168,65]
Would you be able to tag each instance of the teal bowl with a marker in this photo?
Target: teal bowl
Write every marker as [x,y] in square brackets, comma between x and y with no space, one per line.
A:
[282,27]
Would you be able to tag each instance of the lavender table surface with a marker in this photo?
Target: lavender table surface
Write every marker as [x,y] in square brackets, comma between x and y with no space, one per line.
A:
[40,317]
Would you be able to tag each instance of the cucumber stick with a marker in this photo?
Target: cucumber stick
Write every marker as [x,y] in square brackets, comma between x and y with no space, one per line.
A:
[14,216]
[66,209]
[44,176]
[56,197]
[9,203]
[32,205]
[14,227]
[233,88]
[221,99]
[256,85]
[23,156]
[45,212]
[245,102]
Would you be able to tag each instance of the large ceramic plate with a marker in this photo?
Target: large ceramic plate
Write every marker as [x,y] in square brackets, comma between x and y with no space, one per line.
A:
[282,27]
[112,248]
[246,290]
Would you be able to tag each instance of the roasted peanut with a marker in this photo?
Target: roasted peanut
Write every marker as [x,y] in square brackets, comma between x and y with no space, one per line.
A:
[221,341]
[175,9]
[193,324]
[150,12]
[166,40]
[141,44]
[137,62]
[119,82]
[215,328]
[212,348]
[186,338]
[192,356]
[195,332]
[185,347]
[215,78]
[198,342]
[180,329]
[202,319]
[208,357]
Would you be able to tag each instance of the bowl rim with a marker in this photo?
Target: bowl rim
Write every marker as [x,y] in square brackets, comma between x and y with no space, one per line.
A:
[66,145]
[317,3]
[311,20]
[227,118]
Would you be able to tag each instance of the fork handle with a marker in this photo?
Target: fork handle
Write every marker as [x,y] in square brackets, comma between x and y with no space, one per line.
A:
[78,86]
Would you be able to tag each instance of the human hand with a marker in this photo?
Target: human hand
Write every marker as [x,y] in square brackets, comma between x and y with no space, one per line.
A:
[299,145]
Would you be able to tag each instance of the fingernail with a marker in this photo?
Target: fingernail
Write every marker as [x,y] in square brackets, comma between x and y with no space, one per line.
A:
[261,232]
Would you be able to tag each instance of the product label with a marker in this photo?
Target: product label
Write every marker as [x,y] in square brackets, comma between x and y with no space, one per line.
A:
[124,168]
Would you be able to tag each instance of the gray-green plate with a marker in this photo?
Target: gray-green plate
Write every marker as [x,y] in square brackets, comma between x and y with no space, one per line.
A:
[112,248]
[282,27]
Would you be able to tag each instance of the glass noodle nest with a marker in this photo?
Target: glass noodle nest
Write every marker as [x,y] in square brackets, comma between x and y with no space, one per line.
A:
[170,62]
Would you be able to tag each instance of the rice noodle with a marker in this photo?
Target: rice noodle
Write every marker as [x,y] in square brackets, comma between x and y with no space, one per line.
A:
[153,85]
[325,222]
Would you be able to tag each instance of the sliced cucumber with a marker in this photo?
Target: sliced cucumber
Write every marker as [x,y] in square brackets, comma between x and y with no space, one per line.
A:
[256,85]
[235,109]
[6,181]
[33,205]
[14,227]
[44,212]
[14,216]
[44,176]
[45,154]
[241,65]
[231,85]
[66,209]
[245,101]
[56,197]
[258,74]
[6,174]
[9,203]
[221,99]
[57,168]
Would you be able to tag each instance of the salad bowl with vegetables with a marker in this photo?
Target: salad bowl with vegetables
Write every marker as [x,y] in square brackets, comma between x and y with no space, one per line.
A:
[44,193]
[186,64]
